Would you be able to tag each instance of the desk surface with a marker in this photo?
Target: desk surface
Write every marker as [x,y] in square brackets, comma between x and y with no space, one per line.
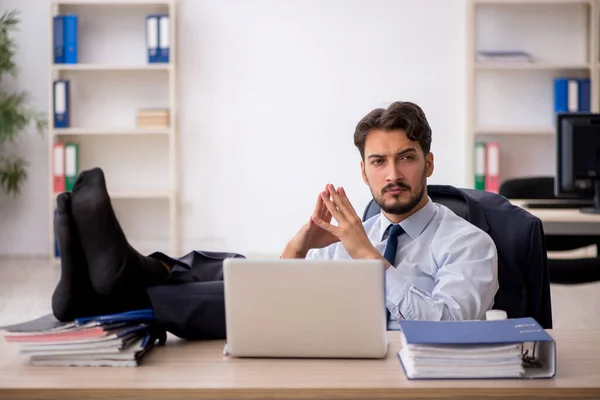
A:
[199,370]
[558,214]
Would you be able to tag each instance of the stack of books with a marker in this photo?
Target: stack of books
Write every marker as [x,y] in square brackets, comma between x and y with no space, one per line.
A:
[152,118]
[116,340]
[511,348]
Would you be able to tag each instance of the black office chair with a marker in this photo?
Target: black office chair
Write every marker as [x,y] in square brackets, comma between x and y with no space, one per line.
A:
[565,271]
[524,287]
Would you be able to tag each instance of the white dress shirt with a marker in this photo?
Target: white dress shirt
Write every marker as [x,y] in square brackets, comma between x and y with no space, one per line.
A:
[445,269]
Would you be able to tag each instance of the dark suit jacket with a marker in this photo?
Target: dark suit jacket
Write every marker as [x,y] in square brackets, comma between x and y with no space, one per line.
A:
[519,237]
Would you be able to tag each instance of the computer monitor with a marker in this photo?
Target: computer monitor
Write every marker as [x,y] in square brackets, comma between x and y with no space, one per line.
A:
[578,158]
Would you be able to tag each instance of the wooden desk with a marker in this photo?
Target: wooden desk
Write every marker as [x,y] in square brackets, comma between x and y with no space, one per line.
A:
[199,370]
[563,221]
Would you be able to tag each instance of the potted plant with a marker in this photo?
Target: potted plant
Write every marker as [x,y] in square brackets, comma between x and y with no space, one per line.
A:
[16,116]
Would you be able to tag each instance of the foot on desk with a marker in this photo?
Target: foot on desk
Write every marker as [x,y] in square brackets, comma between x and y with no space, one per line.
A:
[116,269]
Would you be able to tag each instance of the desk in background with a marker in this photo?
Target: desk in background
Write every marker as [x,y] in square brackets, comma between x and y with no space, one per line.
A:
[563,221]
[199,370]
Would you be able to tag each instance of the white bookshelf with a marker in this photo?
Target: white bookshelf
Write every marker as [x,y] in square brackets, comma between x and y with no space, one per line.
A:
[110,82]
[512,103]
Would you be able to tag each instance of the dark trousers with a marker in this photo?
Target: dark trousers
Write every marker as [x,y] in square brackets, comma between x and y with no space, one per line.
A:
[191,303]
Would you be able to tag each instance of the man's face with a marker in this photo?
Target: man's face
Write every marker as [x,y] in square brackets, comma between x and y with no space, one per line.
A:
[396,170]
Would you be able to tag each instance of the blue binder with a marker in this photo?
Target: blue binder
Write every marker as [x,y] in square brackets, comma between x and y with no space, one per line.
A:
[61,104]
[163,39]
[58,39]
[584,95]
[152,22]
[459,335]
[561,95]
[70,39]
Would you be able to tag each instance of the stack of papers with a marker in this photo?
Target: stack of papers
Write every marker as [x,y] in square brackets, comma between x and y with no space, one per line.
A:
[504,56]
[118,340]
[512,348]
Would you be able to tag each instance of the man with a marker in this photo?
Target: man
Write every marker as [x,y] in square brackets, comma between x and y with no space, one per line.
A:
[440,266]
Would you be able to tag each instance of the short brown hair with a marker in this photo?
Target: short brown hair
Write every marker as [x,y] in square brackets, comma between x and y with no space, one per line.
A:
[399,115]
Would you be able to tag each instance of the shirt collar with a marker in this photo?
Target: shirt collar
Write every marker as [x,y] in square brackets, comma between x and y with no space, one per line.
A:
[413,225]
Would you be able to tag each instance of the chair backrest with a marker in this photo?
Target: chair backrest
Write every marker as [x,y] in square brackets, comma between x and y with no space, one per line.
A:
[533,187]
[522,261]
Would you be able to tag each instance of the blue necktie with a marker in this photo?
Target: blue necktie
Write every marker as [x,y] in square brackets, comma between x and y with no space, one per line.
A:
[390,251]
[392,244]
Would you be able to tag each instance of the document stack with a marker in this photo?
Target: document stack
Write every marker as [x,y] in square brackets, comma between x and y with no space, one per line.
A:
[117,340]
[152,118]
[512,348]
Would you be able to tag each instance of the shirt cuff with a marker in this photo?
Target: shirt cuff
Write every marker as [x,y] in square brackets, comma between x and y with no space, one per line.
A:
[396,286]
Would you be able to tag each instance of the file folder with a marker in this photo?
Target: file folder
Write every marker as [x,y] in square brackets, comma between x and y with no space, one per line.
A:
[449,342]
[71,39]
[71,164]
[583,92]
[479,166]
[61,104]
[163,39]
[152,38]
[492,169]
[59,167]
[58,39]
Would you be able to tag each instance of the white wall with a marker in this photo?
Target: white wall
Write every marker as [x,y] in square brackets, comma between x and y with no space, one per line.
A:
[270,92]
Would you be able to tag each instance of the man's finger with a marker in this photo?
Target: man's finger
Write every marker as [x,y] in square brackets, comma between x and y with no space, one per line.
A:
[346,201]
[331,207]
[325,225]
[339,203]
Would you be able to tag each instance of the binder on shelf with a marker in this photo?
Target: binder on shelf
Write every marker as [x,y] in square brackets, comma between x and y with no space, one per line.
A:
[56,249]
[163,39]
[479,160]
[584,95]
[58,171]
[61,104]
[70,28]
[152,38]
[571,95]
[58,39]
[71,165]
[516,348]
[492,169]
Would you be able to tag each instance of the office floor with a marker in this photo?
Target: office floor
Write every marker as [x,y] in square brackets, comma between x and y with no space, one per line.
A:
[26,286]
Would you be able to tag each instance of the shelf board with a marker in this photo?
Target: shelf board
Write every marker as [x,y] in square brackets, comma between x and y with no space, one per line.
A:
[518,66]
[109,131]
[514,130]
[112,2]
[530,2]
[136,194]
[112,67]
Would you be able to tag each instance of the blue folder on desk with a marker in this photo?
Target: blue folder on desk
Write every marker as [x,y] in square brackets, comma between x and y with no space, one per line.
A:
[511,348]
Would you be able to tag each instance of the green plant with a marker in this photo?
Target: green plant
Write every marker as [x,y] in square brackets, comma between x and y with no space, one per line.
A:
[15,114]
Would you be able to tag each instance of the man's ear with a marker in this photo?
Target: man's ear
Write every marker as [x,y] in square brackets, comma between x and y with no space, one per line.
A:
[362,171]
[429,164]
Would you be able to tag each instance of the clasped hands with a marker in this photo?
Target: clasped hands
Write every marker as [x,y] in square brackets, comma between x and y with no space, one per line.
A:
[319,232]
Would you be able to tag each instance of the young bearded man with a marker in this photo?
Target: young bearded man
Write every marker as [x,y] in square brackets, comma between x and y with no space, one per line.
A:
[439,266]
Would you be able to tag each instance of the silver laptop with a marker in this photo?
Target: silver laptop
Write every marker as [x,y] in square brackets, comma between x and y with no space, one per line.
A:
[300,308]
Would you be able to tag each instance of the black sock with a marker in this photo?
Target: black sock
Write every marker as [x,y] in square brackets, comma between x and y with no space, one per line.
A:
[115,268]
[73,296]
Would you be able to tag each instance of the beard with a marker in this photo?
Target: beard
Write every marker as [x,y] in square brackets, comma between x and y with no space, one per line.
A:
[398,206]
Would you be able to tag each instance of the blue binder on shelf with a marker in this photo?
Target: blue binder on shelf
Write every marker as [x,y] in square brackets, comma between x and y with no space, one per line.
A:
[71,38]
[58,39]
[163,39]
[584,95]
[477,349]
[152,22]
[571,95]
[61,104]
